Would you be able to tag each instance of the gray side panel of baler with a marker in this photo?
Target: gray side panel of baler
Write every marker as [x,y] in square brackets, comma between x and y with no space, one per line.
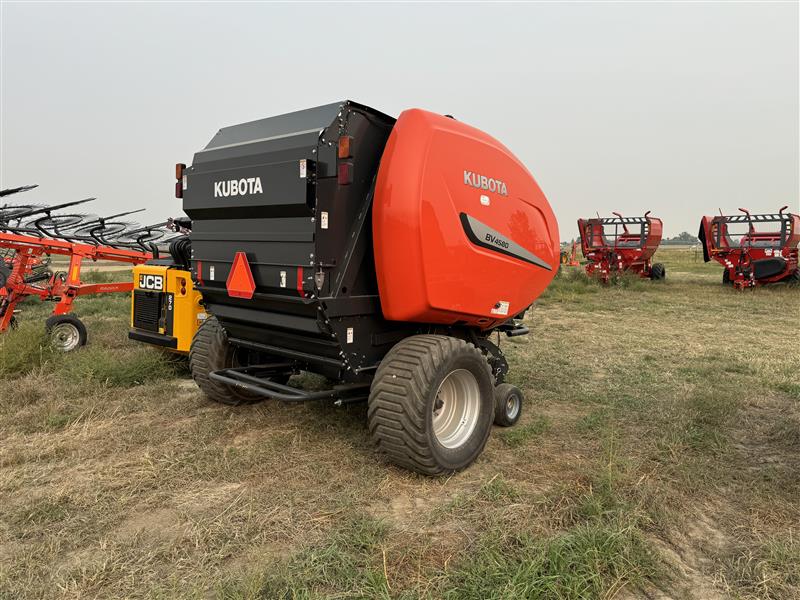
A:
[272,132]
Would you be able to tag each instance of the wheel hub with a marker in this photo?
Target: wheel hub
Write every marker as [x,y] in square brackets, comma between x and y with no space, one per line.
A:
[456,408]
[65,337]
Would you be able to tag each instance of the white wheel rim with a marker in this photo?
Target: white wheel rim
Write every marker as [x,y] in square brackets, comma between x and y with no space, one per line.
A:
[456,408]
[512,406]
[65,337]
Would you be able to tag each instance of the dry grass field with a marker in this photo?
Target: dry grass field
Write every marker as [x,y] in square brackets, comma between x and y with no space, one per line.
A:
[658,457]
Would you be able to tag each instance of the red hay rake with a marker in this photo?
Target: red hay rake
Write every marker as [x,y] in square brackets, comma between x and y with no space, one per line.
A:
[31,234]
[612,249]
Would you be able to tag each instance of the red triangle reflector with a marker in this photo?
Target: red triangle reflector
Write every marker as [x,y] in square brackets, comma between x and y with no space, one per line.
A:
[240,282]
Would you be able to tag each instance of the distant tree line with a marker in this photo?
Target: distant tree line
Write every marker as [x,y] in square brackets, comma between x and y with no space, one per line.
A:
[683,238]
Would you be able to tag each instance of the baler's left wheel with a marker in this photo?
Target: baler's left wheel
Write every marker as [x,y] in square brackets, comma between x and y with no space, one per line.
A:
[658,272]
[210,351]
[431,404]
[67,332]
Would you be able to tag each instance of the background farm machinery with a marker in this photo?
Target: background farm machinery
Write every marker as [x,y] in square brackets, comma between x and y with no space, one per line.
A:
[753,249]
[611,248]
[31,235]
[569,255]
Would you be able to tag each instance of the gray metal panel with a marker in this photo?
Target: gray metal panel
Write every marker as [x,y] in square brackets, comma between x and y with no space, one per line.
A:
[316,118]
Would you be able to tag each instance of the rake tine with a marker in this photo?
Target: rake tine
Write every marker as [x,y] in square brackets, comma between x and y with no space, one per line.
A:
[24,188]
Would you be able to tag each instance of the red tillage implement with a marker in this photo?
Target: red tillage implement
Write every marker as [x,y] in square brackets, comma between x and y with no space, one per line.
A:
[611,248]
[31,235]
[754,249]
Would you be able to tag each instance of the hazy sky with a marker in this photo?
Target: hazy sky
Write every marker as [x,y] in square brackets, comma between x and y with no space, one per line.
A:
[676,108]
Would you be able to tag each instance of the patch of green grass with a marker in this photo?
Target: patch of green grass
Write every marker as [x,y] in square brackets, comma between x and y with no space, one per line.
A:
[592,560]
[349,564]
[522,434]
[59,420]
[769,570]
[707,418]
[107,276]
[134,366]
[23,350]
[496,491]
[594,421]
[790,388]
[41,512]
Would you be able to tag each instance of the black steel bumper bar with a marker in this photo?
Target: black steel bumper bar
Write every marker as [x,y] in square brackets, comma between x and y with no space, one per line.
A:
[255,379]
[514,328]
[157,339]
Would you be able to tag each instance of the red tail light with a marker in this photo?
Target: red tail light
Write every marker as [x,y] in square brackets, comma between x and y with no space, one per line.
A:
[345,173]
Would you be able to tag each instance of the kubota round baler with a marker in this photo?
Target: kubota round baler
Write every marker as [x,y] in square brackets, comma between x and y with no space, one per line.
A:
[380,253]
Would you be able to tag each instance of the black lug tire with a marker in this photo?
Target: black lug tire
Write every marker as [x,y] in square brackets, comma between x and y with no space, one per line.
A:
[504,416]
[658,272]
[726,277]
[69,320]
[210,351]
[794,278]
[401,402]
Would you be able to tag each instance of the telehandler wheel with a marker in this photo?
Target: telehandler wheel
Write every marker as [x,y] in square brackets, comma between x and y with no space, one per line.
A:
[658,272]
[507,404]
[431,404]
[67,332]
[210,351]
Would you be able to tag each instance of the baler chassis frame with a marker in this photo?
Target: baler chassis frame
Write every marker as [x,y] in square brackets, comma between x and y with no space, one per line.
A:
[255,379]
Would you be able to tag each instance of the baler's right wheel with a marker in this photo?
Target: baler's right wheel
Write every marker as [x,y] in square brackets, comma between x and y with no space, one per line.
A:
[508,405]
[658,272]
[726,277]
[431,404]
[210,351]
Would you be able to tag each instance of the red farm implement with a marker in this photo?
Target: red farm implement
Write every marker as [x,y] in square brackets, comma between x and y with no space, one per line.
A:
[754,249]
[30,235]
[616,245]
[569,255]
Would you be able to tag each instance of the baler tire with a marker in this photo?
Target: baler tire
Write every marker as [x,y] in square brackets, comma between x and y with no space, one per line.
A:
[658,272]
[403,399]
[5,273]
[507,405]
[794,278]
[726,277]
[210,351]
[59,326]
